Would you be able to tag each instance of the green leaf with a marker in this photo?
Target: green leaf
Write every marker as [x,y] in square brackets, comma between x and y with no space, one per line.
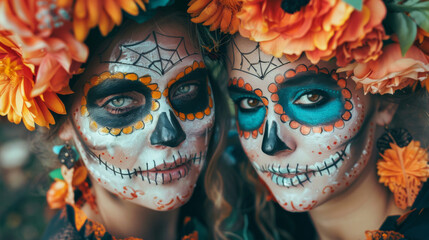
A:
[357,4]
[421,18]
[405,28]
[56,174]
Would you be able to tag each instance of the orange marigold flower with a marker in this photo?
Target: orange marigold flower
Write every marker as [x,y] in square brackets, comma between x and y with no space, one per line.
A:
[383,235]
[362,50]
[42,30]
[16,83]
[391,71]
[317,29]
[56,195]
[403,170]
[216,14]
[423,40]
[106,14]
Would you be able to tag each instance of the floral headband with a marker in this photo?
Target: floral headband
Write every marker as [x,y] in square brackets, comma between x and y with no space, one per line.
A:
[41,48]
[382,45]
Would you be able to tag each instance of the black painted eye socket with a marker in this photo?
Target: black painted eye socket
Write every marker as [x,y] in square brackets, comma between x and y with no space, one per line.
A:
[190,94]
[118,102]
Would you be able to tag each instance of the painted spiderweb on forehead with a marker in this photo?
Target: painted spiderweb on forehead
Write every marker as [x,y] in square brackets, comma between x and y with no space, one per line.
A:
[254,62]
[152,53]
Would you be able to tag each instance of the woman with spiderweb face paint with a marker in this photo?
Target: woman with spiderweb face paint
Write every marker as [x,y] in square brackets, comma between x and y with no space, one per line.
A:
[141,118]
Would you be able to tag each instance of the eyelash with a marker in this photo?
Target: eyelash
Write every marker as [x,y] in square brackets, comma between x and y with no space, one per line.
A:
[322,93]
[117,110]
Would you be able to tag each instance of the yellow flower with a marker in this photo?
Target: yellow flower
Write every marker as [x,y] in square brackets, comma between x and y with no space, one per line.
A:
[16,84]
[104,13]
[216,14]
[403,170]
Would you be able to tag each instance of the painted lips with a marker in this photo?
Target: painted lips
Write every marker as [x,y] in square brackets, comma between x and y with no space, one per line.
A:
[168,172]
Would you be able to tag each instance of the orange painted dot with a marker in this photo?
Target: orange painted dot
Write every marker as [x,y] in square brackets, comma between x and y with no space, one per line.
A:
[294,124]
[182,116]
[195,65]
[240,82]
[305,130]
[115,131]
[341,83]
[301,68]
[265,101]
[190,116]
[313,68]
[139,125]
[279,79]
[334,75]
[248,87]
[104,75]
[339,124]
[261,129]
[131,76]
[180,75]
[347,115]
[145,80]
[207,111]
[148,118]
[246,134]
[272,88]
[328,147]
[348,105]
[284,118]
[234,81]
[317,129]
[255,133]
[278,109]
[210,102]
[155,105]
[202,65]
[127,130]
[346,93]
[209,90]
[188,70]
[275,97]
[328,128]
[290,73]
[165,93]
[156,94]
[199,115]
[104,130]
[258,92]
[86,88]
[324,70]
[152,87]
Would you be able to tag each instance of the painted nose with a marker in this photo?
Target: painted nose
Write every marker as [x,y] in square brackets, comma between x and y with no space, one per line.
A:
[168,132]
[271,143]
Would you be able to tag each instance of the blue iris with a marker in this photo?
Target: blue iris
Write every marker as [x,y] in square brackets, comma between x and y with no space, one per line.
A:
[251,118]
[312,104]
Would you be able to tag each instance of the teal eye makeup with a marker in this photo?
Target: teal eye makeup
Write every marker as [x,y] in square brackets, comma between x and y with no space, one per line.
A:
[312,99]
[250,109]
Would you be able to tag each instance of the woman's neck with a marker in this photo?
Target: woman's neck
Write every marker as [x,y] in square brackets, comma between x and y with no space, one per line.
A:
[363,206]
[124,219]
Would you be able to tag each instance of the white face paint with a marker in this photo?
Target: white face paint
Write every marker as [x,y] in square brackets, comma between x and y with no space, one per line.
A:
[144,115]
[304,127]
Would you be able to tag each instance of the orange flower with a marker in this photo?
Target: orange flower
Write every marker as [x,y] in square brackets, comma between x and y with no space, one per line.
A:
[363,50]
[16,82]
[56,194]
[43,32]
[391,71]
[106,14]
[403,170]
[317,29]
[216,14]
[383,235]
[423,40]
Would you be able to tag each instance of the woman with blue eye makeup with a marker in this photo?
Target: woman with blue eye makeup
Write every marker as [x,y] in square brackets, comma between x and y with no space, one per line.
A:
[331,115]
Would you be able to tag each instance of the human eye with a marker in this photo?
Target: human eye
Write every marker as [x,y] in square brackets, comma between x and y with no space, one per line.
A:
[311,98]
[189,95]
[249,103]
[185,91]
[122,103]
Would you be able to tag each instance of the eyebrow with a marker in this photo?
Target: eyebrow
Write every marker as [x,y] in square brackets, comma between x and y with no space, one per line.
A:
[307,78]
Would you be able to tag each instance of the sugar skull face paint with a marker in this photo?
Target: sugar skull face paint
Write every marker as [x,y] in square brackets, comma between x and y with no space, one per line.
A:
[304,127]
[144,115]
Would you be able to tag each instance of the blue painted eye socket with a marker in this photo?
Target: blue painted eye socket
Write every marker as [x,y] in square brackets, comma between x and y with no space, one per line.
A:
[312,105]
[250,111]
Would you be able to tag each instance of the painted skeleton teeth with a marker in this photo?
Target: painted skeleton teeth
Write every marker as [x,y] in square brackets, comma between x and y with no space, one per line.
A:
[303,174]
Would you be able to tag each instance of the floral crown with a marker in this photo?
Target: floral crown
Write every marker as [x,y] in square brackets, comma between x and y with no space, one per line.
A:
[42,47]
[382,45]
